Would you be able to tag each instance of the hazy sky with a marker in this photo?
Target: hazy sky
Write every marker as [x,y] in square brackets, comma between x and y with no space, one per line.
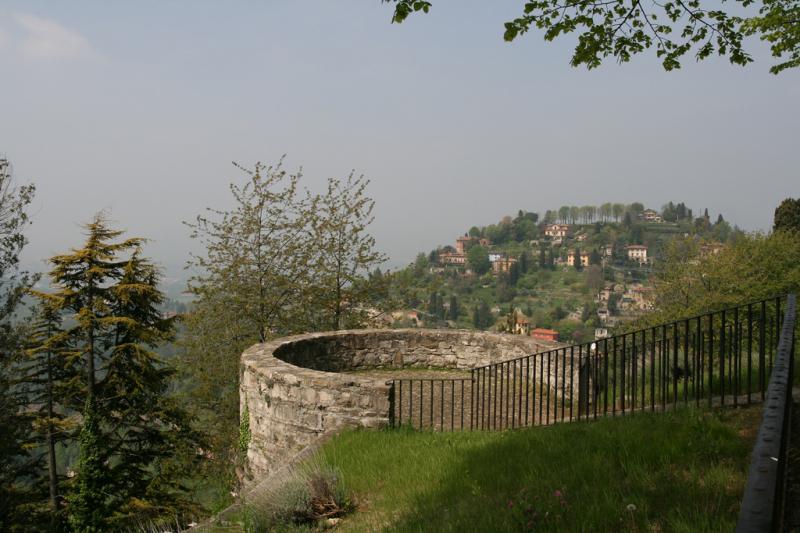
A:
[140,107]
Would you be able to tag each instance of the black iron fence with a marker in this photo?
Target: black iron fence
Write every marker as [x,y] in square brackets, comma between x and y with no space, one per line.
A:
[763,504]
[720,358]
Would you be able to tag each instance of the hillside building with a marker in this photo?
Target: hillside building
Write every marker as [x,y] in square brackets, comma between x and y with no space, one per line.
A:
[638,253]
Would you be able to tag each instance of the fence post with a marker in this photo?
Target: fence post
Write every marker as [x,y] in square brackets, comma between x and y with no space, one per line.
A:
[391,403]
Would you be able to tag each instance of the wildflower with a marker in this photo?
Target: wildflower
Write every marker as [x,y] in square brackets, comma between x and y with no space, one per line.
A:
[631,507]
[510,504]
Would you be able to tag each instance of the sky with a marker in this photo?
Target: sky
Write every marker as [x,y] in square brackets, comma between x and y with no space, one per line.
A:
[139,108]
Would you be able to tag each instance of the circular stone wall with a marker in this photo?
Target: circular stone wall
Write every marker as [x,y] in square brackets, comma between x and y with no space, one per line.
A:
[293,391]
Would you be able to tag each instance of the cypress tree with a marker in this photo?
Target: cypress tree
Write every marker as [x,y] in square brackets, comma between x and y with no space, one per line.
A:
[454,310]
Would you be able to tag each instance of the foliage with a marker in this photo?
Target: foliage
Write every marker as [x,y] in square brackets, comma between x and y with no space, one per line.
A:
[675,28]
[478,260]
[343,252]
[132,433]
[753,267]
[18,468]
[787,216]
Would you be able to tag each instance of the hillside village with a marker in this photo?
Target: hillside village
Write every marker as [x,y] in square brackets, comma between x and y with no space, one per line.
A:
[574,274]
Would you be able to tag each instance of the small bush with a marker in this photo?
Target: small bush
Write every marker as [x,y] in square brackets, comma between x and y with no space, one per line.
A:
[301,498]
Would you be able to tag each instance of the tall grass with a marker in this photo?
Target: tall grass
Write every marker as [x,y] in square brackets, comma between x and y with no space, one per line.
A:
[678,471]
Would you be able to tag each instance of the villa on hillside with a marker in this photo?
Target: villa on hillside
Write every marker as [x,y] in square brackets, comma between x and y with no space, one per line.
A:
[557,230]
[452,258]
[649,215]
[584,259]
[638,253]
[522,325]
[462,243]
[503,264]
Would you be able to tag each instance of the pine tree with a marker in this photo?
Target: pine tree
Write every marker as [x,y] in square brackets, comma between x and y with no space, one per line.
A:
[131,430]
[48,375]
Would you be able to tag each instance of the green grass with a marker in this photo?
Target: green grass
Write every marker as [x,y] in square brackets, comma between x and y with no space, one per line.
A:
[680,471]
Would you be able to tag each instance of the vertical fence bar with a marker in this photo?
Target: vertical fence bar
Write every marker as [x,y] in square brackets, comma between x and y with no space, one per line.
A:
[508,389]
[622,373]
[614,379]
[527,384]
[736,356]
[643,358]
[653,334]
[710,358]
[605,376]
[749,352]
[634,373]
[421,396]
[547,386]
[461,425]
[722,357]
[762,360]
[674,369]
[432,426]
[686,362]
[555,389]
[563,381]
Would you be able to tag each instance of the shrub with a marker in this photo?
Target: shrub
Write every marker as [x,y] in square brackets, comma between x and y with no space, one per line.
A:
[299,498]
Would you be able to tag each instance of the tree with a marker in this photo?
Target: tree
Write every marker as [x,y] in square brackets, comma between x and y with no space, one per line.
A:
[563,213]
[258,254]
[787,216]
[482,316]
[618,210]
[621,30]
[577,259]
[132,430]
[17,464]
[594,278]
[542,257]
[606,211]
[595,258]
[344,251]
[454,311]
[574,213]
[48,375]
[524,262]
[478,260]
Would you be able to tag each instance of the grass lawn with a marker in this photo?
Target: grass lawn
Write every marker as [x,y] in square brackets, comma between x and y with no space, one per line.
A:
[680,471]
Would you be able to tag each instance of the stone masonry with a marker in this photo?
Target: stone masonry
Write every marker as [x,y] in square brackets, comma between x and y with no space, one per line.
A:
[295,392]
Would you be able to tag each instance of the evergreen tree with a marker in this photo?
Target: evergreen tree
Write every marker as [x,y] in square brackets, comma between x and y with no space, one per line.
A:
[787,216]
[132,431]
[48,375]
[595,258]
[524,262]
[577,260]
[454,310]
[513,274]
[542,257]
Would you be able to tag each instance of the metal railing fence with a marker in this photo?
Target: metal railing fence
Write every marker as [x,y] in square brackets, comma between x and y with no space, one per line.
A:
[718,358]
